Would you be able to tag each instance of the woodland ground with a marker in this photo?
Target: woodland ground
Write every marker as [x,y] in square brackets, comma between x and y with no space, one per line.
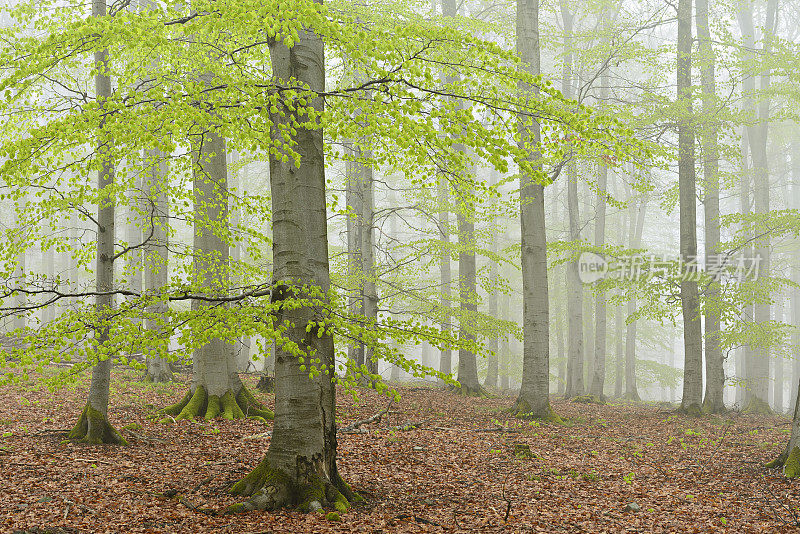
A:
[447,475]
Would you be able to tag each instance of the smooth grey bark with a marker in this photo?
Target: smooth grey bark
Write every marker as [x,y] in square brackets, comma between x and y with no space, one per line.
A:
[214,365]
[715,374]
[468,288]
[600,330]
[504,347]
[575,363]
[795,274]
[745,355]
[367,221]
[637,226]
[300,465]
[561,351]
[534,395]
[778,378]
[354,198]
[445,276]
[49,271]
[758,134]
[241,347]
[619,361]
[492,305]
[93,425]
[156,272]
[687,183]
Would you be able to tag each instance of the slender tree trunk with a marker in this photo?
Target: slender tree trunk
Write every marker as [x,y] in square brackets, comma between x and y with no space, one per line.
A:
[355,262]
[715,374]
[690,298]
[367,222]
[241,347]
[777,382]
[93,425]
[600,333]
[467,364]
[534,395]
[757,137]
[619,361]
[216,390]
[491,343]
[504,346]
[745,354]
[637,227]
[156,272]
[575,383]
[795,293]
[300,465]
[445,277]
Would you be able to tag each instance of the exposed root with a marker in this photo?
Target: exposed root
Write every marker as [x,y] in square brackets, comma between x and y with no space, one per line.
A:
[523,410]
[200,404]
[692,410]
[588,399]
[471,391]
[710,407]
[270,489]
[756,406]
[94,428]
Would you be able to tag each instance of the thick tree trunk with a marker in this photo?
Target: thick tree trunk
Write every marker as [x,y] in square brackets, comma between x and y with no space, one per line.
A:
[789,459]
[690,299]
[93,425]
[299,467]
[534,395]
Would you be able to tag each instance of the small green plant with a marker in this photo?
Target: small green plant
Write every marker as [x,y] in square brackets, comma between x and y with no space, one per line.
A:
[629,478]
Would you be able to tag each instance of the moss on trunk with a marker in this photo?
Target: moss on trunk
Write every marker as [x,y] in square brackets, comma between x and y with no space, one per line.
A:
[756,406]
[523,410]
[94,428]
[200,404]
[269,489]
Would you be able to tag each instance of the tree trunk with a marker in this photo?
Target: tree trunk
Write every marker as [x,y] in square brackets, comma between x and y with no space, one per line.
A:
[534,395]
[446,355]
[600,330]
[299,467]
[93,425]
[369,283]
[744,356]
[777,382]
[637,227]
[467,283]
[690,299]
[795,293]
[216,390]
[504,346]
[789,459]
[491,343]
[156,270]
[757,136]
[715,374]
[619,361]
[355,262]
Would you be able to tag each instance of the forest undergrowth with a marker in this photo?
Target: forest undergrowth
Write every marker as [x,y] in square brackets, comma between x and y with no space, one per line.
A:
[434,462]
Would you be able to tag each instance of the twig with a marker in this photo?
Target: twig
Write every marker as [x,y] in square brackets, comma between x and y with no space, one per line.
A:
[142,437]
[508,502]
[377,417]
[262,435]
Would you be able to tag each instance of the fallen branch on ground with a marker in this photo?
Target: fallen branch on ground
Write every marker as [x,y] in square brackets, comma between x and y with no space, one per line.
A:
[375,418]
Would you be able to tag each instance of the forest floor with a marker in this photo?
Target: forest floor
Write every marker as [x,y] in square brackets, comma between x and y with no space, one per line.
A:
[464,468]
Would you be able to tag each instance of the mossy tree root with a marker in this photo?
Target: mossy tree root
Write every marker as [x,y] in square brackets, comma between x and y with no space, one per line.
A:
[270,489]
[471,391]
[790,461]
[162,377]
[756,406]
[94,428]
[710,407]
[523,410]
[200,404]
